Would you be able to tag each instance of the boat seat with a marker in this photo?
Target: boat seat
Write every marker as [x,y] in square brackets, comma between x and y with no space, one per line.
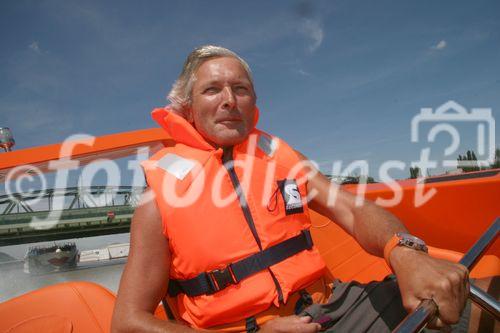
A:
[70,307]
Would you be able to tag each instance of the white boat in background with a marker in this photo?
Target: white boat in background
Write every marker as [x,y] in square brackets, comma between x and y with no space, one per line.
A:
[113,251]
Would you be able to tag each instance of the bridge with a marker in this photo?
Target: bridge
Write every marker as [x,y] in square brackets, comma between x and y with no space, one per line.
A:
[73,212]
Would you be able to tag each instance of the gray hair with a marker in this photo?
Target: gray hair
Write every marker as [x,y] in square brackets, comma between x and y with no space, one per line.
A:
[181,92]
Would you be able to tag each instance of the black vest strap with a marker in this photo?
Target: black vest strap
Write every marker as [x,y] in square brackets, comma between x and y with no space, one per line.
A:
[214,281]
[251,325]
[303,302]
[168,310]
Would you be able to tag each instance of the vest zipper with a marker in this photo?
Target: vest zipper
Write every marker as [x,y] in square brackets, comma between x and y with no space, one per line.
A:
[227,160]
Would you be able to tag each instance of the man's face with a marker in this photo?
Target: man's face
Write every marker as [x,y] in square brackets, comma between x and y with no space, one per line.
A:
[223,102]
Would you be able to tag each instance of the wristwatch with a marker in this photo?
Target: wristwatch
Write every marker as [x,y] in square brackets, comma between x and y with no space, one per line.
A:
[403,239]
[412,242]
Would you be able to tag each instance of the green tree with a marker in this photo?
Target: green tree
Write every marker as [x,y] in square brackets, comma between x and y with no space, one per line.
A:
[415,172]
[468,161]
[496,162]
[368,179]
[356,178]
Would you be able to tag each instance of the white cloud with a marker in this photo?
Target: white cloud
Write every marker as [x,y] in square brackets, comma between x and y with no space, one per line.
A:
[440,46]
[303,72]
[35,47]
[313,30]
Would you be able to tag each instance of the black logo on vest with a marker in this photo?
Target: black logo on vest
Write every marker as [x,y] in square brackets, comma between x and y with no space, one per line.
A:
[291,196]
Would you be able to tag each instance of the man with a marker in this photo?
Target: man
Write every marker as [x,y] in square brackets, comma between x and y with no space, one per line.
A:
[234,241]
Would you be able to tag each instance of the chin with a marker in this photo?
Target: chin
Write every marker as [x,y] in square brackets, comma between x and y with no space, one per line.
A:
[230,139]
[227,142]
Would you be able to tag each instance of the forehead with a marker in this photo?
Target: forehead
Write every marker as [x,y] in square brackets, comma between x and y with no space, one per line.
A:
[224,68]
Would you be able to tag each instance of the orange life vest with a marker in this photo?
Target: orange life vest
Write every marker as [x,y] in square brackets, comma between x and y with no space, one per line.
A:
[217,214]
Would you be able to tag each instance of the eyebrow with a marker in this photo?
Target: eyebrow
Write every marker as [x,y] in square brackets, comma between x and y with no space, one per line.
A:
[209,83]
[239,81]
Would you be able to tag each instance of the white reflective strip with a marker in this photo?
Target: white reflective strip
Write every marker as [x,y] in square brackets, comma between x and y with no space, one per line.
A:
[267,144]
[178,166]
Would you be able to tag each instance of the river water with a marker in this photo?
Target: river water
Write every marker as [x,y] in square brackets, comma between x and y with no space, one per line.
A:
[14,282]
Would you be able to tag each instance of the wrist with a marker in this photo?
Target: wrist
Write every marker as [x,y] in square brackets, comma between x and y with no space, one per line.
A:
[401,255]
[402,242]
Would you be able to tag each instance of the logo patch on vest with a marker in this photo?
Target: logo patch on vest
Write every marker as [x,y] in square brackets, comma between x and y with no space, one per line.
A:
[177,166]
[291,196]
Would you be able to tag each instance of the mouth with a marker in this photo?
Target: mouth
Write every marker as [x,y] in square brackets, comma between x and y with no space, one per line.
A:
[229,120]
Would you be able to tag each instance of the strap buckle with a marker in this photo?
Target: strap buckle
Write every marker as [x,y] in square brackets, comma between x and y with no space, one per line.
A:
[221,278]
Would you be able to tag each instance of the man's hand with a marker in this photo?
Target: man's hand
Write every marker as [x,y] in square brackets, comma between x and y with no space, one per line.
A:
[423,277]
[290,324]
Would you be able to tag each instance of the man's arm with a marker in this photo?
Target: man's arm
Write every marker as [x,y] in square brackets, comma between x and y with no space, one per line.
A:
[419,275]
[145,278]
[369,224]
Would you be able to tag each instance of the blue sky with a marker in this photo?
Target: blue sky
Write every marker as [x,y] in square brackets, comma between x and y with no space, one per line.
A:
[338,80]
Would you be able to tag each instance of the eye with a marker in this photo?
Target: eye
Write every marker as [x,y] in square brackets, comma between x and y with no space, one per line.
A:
[241,89]
[211,90]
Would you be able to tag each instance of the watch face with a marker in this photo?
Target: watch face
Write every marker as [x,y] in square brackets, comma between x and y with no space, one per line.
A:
[411,241]
[412,238]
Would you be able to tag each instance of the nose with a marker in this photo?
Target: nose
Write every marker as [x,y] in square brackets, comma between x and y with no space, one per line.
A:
[228,98]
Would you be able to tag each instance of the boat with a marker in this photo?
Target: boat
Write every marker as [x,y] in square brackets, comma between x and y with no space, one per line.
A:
[47,259]
[461,209]
[110,252]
